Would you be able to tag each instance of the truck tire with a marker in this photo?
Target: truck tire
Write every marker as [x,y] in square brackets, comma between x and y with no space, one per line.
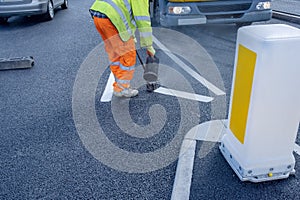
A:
[3,20]
[155,14]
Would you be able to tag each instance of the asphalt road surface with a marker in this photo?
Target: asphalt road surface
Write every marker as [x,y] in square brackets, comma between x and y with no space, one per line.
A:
[58,140]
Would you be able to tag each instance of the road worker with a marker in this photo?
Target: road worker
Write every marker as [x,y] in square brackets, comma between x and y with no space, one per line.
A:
[116,22]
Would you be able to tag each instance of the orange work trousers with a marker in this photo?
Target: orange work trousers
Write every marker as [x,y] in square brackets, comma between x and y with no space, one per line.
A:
[122,55]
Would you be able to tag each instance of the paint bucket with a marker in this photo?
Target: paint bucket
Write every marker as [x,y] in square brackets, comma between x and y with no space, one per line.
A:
[151,69]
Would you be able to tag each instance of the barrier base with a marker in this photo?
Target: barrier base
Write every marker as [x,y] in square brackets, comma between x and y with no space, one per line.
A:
[259,174]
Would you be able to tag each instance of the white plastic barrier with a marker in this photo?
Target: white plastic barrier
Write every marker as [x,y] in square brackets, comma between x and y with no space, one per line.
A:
[264,111]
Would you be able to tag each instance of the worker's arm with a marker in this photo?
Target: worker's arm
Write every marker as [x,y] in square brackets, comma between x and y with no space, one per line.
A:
[140,9]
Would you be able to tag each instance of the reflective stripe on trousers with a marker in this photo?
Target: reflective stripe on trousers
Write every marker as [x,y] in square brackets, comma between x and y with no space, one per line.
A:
[121,54]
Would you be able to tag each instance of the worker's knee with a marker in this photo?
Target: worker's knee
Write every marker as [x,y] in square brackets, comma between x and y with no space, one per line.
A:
[128,59]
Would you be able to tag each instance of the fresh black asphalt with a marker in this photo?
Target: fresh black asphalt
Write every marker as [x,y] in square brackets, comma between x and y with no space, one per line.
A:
[42,156]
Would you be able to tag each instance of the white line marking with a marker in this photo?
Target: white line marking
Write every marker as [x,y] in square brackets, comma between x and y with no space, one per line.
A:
[297,149]
[208,131]
[211,131]
[108,92]
[184,171]
[185,95]
[194,74]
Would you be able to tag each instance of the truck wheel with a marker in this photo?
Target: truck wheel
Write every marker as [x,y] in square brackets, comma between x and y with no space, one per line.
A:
[49,15]
[3,20]
[65,4]
[156,14]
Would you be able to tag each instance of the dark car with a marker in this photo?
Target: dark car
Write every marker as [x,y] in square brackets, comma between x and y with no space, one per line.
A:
[46,8]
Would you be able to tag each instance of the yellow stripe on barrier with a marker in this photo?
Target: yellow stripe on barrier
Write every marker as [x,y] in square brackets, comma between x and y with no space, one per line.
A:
[242,92]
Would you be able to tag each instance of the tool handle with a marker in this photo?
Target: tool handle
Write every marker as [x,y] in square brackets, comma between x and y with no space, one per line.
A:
[140,59]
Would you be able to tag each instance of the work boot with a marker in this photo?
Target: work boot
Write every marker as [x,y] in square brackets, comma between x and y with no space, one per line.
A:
[127,92]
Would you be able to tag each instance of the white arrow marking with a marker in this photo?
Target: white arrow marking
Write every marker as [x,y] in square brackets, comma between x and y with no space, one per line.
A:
[194,74]
[182,94]
[108,92]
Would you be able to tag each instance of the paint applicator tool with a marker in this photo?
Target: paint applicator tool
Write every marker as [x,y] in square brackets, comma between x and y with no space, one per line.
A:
[150,72]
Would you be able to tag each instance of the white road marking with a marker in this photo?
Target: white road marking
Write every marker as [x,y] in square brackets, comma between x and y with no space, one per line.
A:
[211,131]
[182,94]
[297,149]
[184,171]
[194,74]
[108,92]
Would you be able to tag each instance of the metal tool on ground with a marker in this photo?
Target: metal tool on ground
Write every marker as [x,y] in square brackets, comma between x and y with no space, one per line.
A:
[16,63]
[150,72]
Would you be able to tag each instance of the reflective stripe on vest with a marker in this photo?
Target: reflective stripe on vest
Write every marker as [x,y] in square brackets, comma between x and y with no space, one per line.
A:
[146,34]
[142,18]
[130,12]
[119,11]
[128,7]
[127,15]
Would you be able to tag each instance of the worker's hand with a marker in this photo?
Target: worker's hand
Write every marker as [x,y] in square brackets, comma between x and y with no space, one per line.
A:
[134,39]
[150,54]
[150,51]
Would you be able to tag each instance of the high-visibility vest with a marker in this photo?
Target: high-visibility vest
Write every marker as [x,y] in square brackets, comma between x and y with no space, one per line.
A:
[127,15]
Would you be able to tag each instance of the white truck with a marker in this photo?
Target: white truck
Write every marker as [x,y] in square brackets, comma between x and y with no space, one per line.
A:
[190,12]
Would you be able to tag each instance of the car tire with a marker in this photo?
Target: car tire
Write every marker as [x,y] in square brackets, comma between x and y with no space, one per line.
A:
[3,20]
[65,4]
[49,15]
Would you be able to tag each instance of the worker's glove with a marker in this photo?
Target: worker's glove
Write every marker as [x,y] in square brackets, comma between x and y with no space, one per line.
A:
[151,58]
[134,39]
[150,51]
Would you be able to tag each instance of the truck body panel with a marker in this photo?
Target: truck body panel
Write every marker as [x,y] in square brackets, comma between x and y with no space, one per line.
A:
[211,11]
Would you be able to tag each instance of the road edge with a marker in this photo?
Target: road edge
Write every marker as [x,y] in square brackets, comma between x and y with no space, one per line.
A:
[286,16]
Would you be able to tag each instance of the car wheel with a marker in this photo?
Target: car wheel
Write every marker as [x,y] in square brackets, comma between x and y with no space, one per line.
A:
[3,20]
[65,4]
[50,11]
